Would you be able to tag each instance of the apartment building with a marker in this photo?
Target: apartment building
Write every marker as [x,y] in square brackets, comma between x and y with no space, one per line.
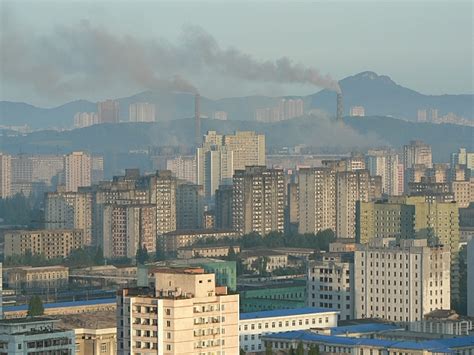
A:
[316,199]
[385,163]
[183,313]
[172,241]
[77,170]
[28,277]
[330,283]
[126,228]
[255,325]
[189,206]
[258,200]
[163,194]
[417,153]
[50,243]
[401,282]
[5,175]
[69,210]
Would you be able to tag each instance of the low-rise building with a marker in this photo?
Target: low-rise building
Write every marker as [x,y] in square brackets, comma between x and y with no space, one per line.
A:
[281,343]
[49,243]
[206,251]
[37,335]
[172,241]
[331,283]
[253,326]
[27,277]
[261,260]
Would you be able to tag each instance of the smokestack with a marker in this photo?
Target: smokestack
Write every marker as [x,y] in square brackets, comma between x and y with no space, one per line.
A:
[197,117]
[340,107]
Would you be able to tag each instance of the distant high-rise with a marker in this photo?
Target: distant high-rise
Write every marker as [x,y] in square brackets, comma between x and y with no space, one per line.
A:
[77,170]
[422,115]
[85,119]
[248,148]
[126,228]
[69,210]
[183,168]
[470,278]
[417,153]
[220,115]
[142,112]
[163,194]
[317,199]
[197,119]
[108,111]
[224,207]
[258,200]
[189,206]
[385,164]
[5,175]
[357,111]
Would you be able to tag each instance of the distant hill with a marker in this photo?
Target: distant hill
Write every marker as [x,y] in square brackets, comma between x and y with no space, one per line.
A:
[379,94]
[326,135]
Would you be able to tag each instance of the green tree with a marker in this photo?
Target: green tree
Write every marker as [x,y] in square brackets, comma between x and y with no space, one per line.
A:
[268,349]
[300,349]
[99,256]
[231,255]
[242,351]
[313,350]
[142,255]
[35,307]
[292,351]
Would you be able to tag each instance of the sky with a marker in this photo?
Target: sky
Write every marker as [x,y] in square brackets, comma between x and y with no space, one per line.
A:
[424,45]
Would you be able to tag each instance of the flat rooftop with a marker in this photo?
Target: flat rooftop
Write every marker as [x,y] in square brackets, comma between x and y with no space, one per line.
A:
[435,346]
[90,320]
[98,301]
[284,313]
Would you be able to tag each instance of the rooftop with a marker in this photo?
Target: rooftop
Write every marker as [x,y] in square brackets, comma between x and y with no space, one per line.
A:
[26,320]
[209,232]
[284,313]
[363,328]
[436,346]
[98,301]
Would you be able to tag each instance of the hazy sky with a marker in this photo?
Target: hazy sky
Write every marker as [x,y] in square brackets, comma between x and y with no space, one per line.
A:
[424,45]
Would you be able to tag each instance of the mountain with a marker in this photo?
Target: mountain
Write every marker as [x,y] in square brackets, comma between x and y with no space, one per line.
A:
[379,94]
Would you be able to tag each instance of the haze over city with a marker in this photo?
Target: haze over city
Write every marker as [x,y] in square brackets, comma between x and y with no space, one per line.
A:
[223,178]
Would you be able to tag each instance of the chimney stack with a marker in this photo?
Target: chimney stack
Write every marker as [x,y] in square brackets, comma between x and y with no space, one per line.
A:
[340,107]
[197,117]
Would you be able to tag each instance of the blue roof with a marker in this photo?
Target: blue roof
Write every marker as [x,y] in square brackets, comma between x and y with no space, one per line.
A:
[364,328]
[445,345]
[24,307]
[284,312]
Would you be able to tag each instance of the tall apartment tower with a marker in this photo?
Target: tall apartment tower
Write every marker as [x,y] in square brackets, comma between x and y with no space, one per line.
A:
[5,175]
[69,210]
[258,200]
[351,186]
[183,167]
[248,149]
[163,194]
[214,163]
[142,112]
[470,278]
[403,282]
[183,313]
[385,164]
[189,206]
[223,208]
[417,153]
[77,170]
[316,200]
[108,111]
[126,228]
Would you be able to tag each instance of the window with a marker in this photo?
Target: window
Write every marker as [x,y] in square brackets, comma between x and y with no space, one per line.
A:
[103,348]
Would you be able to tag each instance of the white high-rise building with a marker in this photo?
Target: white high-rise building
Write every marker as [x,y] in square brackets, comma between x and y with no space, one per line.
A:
[77,170]
[385,164]
[417,153]
[316,199]
[142,112]
[401,282]
[184,313]
[5,175]
[183,168]
[85,119]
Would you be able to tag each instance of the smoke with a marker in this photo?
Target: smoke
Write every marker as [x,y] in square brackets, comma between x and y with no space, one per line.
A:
[72,60]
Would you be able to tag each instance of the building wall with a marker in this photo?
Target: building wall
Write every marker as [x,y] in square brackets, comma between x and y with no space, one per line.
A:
[5,175]
[77,170]
[251,330]
[189,206]
[96,341]
[470,278]
[401,283]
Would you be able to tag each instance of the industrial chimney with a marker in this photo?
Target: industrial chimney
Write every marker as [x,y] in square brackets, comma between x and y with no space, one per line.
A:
[340,107]
[197,117]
